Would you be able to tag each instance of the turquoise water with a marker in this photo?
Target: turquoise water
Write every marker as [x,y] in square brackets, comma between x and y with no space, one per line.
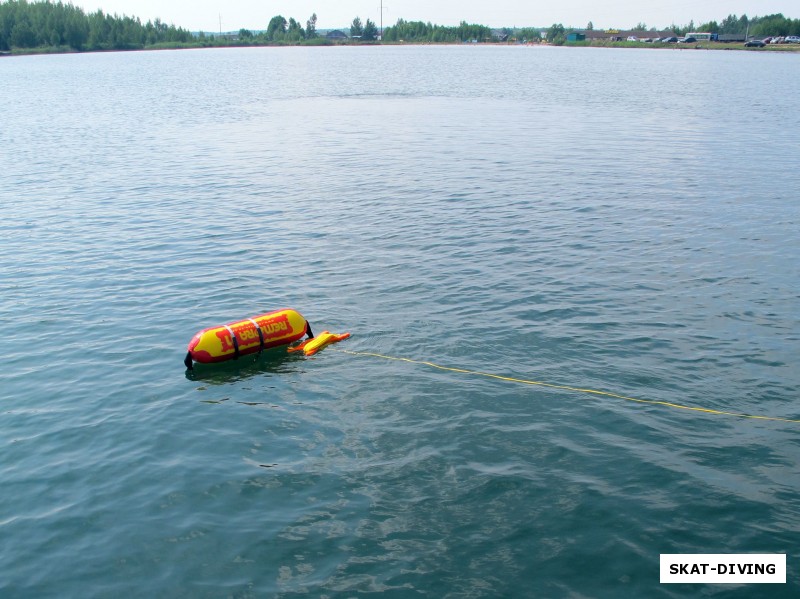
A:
[624,221]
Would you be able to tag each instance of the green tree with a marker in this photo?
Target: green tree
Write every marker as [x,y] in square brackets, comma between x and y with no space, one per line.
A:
[733,24]
[295,31]
[467,32]
[529,33]
[711,26]
[22,34]
[76,33]
[311,27]
[276,30]
[590,26]
[356,28]
[772,25]
[556,34]
[370,32]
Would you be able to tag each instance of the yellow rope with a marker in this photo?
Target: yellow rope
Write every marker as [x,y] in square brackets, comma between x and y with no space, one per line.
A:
[568,388]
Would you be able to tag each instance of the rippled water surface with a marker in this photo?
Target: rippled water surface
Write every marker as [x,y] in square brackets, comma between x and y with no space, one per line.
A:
[623,221]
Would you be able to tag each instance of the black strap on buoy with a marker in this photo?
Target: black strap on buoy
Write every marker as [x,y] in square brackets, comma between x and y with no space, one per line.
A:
[235,343]
[188,360]
[260,335]
[309,332]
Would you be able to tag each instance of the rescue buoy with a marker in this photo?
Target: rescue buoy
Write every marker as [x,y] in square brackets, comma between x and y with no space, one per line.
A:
[247,336]
[311,346]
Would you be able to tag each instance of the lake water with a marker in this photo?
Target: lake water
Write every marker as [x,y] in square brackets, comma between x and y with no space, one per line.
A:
[617,220]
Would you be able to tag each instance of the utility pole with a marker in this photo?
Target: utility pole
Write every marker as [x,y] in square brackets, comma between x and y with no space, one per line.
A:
[382,19]
[220,24]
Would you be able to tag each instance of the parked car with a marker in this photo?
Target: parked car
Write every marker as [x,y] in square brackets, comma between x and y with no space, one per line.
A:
[792,39]
[755,44]
[776,40]
[633,38]
[687,40]
[669,40]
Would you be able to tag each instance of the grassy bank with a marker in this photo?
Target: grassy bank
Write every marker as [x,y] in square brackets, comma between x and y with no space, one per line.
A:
[176,46]
[326,42]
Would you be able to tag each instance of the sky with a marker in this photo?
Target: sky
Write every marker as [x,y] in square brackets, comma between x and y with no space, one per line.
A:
[205,15]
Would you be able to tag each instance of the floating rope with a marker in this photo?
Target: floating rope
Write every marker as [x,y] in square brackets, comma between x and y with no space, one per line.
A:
[667,404]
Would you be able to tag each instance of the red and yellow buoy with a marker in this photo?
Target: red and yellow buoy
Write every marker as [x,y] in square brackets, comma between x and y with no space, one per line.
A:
[250,335]
[247,336]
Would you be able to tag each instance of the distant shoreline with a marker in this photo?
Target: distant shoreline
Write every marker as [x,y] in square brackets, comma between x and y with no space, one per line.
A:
[329,43]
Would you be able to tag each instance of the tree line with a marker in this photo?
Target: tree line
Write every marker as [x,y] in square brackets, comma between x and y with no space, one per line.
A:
[417,31]
[44,24]
[776,25]
[55,24]
[280,30]
[367,31]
